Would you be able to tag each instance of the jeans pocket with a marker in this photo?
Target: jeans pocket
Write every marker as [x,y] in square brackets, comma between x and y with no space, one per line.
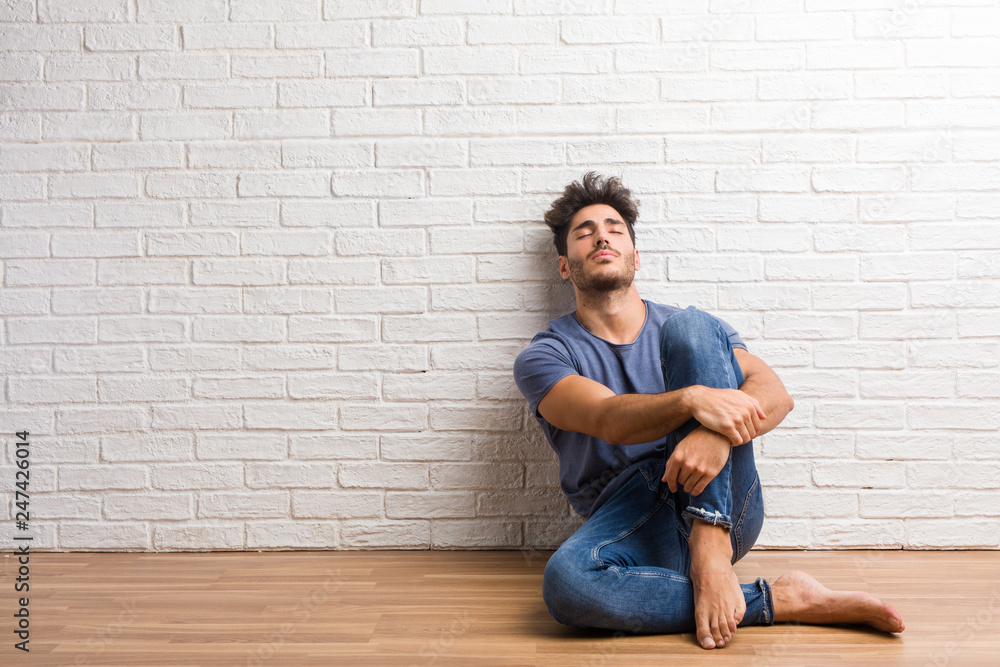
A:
[652,472]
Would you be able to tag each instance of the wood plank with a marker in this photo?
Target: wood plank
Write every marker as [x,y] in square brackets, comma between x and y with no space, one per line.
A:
[463,608]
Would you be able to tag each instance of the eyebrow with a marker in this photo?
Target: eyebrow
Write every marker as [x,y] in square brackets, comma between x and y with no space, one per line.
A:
[591,223]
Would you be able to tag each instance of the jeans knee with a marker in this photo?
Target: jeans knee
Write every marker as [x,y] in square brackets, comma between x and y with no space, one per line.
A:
[562,583]
[689,329]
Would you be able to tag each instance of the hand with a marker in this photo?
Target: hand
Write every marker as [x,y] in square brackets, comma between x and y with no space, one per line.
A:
[696,460]
[731,412]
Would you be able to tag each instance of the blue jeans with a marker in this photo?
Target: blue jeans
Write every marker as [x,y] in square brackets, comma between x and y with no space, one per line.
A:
[627,567]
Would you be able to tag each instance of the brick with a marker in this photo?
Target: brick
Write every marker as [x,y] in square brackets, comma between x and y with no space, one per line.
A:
[194,300]
[951,532]
[88,126]
[142,329]
[97,301]
[860,238]
[859,297]
[472,121]
[739,268]
[865,475]
[395,358]
[855,55]
[426,447]
[157,11]
[340,34]
[506,30]
[238,328]
[707,88]
[288,300]
[812,503]
[384,533]
[295,415]
[808,325]
[331,329]
[812,208]
[92,186]
[908,447]
[234,155]
[927,324]
[242,446]
[201,536]
[871,533]
[401,505]
[132,96]
[390,417]
[478,476]
[421,153]
[323,94]
[242,95]
[346,386]
[238,387]
[384,475]
[327,153]
[284,124]
[180,185]
[381,300]
[293,10]
[124,536]
[810,445]
[423,329]
[900,84]
[340,446]
[333,271]
[290,475]
[284,184]
[427,386]
[513,90]
[478,418]
[283,534]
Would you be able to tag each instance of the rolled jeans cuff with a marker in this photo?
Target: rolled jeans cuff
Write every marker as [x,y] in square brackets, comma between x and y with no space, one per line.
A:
[767,612]
[716,518]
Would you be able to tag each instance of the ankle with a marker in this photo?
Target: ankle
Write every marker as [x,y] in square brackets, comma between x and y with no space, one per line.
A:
[709,540]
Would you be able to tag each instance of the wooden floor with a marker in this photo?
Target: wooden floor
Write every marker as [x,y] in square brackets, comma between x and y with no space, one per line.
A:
[450,608]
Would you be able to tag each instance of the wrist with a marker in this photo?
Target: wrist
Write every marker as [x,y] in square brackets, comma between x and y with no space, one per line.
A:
[689,399]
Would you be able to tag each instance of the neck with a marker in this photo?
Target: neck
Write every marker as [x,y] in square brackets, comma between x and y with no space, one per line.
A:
[616,316]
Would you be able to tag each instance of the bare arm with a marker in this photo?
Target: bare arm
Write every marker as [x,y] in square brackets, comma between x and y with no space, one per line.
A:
[576,403]
[763,384]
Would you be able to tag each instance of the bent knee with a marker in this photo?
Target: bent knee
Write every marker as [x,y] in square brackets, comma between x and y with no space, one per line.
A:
[688,328]
[564,586]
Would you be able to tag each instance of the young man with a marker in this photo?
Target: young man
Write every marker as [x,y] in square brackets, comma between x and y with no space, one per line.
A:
[652,410]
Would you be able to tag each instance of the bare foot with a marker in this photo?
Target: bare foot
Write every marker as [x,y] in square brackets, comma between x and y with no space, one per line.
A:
[799,597]
[718,599]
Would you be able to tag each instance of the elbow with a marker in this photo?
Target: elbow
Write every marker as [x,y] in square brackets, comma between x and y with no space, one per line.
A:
[605,428]
[790,404]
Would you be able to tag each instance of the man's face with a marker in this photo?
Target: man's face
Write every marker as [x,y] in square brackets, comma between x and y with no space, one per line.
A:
[600,256]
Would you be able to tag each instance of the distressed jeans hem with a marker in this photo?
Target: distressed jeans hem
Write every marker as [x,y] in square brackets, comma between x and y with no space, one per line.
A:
[715,518]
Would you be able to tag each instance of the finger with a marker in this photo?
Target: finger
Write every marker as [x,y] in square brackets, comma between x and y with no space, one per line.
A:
[755,420]
[683,478]
[670,477]
[734,436]
[700,486]
[686,485]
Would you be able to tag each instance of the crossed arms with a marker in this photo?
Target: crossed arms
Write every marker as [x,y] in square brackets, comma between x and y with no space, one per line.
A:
[728,417]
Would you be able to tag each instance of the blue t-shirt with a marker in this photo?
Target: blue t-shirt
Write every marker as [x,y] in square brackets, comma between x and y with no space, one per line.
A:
[590,469]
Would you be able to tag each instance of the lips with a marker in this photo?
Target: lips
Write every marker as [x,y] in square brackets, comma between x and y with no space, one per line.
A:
[604,253]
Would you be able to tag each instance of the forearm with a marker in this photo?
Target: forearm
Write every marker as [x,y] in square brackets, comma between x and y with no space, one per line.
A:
[770,392]
[630,419]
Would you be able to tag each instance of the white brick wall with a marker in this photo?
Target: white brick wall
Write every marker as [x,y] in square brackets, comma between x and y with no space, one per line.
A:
[266,266]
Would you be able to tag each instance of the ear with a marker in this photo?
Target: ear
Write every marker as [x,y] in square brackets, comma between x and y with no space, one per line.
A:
[636,260]
[564,267]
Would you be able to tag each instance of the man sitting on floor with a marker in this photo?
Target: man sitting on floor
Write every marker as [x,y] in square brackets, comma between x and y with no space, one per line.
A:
[652,410]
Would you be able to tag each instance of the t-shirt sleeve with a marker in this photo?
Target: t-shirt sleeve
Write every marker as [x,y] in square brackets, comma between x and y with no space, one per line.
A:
[734,337]
[539,367]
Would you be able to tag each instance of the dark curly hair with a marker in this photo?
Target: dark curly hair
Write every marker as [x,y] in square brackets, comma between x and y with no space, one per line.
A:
[594,190]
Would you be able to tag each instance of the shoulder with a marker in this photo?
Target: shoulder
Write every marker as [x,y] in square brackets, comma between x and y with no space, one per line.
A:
[553,343]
